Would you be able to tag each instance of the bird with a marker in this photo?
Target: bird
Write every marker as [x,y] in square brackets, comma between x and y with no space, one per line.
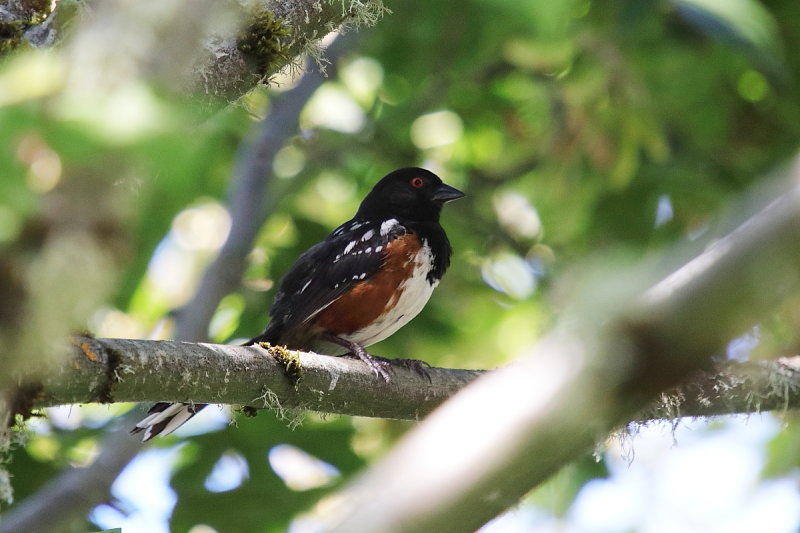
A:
[368,278]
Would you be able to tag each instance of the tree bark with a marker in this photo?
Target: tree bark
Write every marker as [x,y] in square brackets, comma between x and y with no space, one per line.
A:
[122,370]
[129,370]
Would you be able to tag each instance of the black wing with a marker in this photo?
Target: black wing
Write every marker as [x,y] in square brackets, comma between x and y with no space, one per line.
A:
[349,255]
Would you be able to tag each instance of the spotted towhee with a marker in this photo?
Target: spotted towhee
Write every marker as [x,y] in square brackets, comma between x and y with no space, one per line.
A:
[365,281]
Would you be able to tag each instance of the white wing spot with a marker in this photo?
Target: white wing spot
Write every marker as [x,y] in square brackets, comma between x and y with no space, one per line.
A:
[387,226]
[378,248]
[305,286]
[349,247]
[368,235]
[338,256]
[368,250]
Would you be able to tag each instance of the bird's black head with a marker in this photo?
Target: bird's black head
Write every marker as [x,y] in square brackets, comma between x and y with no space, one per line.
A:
[408,193]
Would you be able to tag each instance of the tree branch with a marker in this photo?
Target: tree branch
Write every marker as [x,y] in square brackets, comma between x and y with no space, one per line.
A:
[268,43]
[219,49]
[732,388]
[123,370]
[118,370]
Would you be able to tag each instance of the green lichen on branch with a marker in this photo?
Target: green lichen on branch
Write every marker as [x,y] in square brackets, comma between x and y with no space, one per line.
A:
[288,359]
[274,34]
[15,19]
[263,43]
[11,33]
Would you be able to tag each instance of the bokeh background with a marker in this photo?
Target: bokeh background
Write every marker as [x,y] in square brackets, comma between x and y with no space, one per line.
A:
[581,131]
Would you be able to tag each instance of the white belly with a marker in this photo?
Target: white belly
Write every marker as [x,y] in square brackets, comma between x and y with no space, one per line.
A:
[416,291]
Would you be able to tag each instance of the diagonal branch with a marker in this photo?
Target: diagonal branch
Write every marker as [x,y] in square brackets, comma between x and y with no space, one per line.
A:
[512,429]
[56,506]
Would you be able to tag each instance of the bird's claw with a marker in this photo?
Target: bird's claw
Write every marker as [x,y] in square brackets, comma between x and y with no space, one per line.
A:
[418,366]
[380,367]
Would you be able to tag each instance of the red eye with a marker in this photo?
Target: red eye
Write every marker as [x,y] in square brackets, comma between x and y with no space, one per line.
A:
[417,183]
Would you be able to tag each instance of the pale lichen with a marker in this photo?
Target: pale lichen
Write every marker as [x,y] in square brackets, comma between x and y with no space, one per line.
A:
[10,438]
[272,35]
[742,389]
[293,417]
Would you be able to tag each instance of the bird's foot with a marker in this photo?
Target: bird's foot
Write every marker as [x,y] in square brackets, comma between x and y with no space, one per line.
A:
[418,366]
[379,365]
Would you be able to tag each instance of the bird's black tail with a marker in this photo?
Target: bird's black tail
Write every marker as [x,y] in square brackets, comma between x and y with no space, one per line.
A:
[164,418]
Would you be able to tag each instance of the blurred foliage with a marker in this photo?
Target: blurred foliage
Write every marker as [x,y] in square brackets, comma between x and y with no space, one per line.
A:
[575,127]
[329,441]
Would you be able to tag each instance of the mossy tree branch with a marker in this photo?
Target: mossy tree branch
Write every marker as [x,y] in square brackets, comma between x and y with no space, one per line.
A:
[118,370]
[124,370]
[732,388]
[272,34]
[218,49]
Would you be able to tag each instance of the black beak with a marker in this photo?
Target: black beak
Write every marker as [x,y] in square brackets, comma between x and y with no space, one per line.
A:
[446,193]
